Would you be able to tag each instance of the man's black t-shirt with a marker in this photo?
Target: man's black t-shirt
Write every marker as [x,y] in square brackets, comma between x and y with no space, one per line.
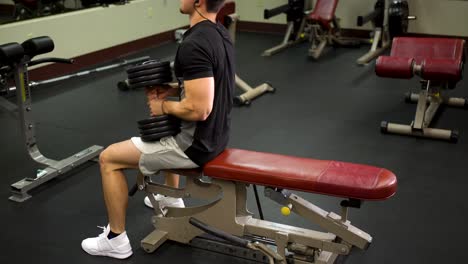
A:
[207,51]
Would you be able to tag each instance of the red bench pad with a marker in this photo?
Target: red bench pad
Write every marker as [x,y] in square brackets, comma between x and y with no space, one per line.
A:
[324,12]
[441,59]
[428,48]
[303,174]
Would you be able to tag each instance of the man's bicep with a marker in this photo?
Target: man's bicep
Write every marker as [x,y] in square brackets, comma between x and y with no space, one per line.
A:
[200,91]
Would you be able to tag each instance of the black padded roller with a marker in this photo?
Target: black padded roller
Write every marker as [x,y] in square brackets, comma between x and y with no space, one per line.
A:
[37,46]
[11,52]
[148,65]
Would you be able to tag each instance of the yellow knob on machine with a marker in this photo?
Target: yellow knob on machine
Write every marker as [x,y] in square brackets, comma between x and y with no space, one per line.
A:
[286,210]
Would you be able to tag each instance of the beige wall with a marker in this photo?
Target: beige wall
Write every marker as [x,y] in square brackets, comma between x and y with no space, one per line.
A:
[439,17]
[68,3]
[81,32]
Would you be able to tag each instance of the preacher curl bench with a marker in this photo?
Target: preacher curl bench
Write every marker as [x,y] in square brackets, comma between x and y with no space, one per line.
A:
[225,215]
[439,62]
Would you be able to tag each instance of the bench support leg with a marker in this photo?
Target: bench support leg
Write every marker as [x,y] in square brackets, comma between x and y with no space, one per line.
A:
[226,210]
[428,102]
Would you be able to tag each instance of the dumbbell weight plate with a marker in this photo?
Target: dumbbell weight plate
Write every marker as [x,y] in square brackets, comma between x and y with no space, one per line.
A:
[148,65]
[147,78]
[155,119]
[144,132]
[148,72]
[158,136]
[151,83]
[158,124]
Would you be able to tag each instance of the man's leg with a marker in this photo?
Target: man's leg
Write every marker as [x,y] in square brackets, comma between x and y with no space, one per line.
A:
[113,160]
[172,180]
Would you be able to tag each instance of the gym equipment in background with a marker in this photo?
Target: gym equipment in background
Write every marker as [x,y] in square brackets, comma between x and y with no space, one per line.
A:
[389,19]
[18,57]
[323,28]
[32,84]
[295,11]
[439,62]
[25,9]
[227,16]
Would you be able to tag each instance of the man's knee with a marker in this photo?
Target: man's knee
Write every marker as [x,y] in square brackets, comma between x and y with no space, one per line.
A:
[118,156]
[106,156]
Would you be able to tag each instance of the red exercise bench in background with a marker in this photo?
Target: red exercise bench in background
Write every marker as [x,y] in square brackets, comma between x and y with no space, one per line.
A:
[439,62]
[323,28]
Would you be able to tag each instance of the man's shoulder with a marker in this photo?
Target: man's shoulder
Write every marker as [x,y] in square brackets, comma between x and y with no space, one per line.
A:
[206,32]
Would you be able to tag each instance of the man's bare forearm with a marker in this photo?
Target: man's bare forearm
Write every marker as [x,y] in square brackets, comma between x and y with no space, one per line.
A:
[183,110]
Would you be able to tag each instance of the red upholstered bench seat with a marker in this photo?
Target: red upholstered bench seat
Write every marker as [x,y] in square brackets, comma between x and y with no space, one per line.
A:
[303,174]
[324,12]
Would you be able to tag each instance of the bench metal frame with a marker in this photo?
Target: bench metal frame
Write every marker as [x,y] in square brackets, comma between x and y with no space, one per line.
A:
[225,209]
[429,101]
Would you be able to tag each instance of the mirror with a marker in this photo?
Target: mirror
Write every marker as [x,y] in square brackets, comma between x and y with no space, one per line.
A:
[18,10]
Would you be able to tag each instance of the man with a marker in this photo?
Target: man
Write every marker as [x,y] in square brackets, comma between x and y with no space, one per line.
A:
[205,69]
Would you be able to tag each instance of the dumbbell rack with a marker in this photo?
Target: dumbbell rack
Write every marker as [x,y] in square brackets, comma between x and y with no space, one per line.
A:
[51,168]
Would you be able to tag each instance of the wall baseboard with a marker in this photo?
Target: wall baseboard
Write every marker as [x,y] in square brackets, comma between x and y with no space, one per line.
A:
[247,26]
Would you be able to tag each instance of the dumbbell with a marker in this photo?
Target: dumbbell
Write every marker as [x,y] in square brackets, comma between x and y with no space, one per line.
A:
[146,71]
[148,74]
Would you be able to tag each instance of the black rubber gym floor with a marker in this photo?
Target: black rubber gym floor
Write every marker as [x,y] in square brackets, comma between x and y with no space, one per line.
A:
[330,109]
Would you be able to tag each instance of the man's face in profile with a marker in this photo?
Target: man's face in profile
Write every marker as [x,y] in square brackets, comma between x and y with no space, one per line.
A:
[186,6]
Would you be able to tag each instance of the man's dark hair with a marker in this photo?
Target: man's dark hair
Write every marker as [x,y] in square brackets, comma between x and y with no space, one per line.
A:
[213,6]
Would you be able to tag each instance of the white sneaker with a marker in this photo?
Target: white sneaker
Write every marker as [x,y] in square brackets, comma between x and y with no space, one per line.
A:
[119,247]
[165,201]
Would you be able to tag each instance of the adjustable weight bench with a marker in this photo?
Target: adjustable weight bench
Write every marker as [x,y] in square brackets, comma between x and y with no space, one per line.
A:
[439,62]
[323,28]
[225,215]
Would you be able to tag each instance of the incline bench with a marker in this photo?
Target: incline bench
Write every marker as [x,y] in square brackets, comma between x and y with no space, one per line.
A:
[225,214]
